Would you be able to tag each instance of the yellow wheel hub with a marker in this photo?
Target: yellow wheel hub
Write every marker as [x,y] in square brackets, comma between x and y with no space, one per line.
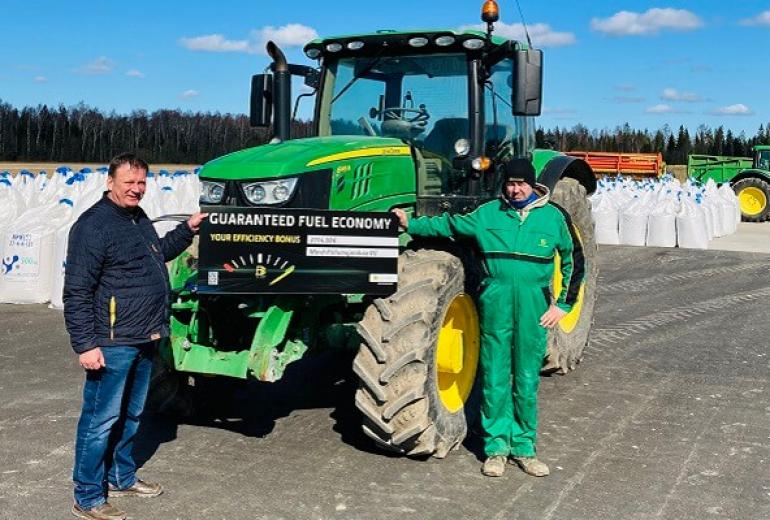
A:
[752,200]
[457,352]
[570,321]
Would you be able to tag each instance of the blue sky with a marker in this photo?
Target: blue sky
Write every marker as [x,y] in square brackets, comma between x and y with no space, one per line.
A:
[606,63]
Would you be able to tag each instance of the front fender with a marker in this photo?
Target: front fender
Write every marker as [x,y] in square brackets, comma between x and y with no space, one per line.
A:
[561,166]
[745,174]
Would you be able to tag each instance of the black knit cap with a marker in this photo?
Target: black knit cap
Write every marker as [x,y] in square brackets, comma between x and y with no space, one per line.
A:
[519,170]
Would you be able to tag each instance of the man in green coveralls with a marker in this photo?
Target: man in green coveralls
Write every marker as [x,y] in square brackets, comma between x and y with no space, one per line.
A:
[518,236]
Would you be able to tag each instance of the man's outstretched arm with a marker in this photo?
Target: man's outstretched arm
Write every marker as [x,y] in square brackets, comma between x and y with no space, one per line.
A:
[180,238]
[444,225]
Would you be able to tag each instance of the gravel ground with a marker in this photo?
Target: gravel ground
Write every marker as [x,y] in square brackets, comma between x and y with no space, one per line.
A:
[668,417]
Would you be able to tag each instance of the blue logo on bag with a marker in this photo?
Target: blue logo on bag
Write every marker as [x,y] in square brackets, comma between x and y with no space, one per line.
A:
[8,266]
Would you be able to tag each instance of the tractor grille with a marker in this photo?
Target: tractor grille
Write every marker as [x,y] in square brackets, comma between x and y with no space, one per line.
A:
[362,179]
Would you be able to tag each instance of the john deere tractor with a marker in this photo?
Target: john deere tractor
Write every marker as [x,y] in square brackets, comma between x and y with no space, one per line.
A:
[748,176]
[420,120]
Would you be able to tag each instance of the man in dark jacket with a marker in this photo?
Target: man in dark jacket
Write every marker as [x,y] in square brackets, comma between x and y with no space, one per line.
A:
[116,297]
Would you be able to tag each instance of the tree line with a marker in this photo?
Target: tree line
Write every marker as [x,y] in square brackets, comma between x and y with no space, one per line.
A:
[84,134]
[675,146]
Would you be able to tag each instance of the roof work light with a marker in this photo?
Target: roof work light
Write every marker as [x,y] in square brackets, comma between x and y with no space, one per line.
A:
[490,11]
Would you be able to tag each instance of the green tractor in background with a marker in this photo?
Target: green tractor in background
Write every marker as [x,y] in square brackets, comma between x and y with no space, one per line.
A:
[419,120]
[748,176]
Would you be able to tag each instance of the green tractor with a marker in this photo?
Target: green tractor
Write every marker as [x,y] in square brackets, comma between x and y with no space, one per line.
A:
[748,176]
[418,120]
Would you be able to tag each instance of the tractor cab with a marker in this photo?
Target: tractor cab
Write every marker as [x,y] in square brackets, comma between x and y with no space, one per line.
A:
[463,101]
[425,101]
[762,157]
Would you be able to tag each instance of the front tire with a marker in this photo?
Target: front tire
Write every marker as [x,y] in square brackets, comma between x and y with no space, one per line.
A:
[418,358]
[169,392]
[753,195]
[567,340]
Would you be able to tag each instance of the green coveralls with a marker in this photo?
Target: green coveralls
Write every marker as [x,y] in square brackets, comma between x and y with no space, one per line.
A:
[518,250]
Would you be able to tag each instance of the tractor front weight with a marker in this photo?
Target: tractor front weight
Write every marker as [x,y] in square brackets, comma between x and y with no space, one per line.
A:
[194,344]
[273,333]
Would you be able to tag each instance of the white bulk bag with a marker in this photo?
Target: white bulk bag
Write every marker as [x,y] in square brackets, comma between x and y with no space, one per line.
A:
[8,210]
[710,201]
[728,199]
[661,226]
[708,214]
[169,204]
[632,228]
[726,215]
[711,205]
[28,254]
[691,229]
[60,249]
[58,265]
[606,221]
[24,184]
[189,194]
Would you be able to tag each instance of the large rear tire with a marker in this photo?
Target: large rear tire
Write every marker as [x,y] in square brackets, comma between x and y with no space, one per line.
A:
[568,339]
[753,196]
[418,358]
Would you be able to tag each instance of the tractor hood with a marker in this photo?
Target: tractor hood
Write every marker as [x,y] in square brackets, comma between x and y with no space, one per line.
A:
[297,156]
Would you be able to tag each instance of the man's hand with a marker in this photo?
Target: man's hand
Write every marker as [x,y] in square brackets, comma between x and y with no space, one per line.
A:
[551,317]
[92,359]
[194,222]
[403,221]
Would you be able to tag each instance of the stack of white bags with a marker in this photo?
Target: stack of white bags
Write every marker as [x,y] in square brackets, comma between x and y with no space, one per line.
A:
[663,212]
[37,212]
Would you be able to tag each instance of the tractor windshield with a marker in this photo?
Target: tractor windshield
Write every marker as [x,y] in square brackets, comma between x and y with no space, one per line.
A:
[422,99]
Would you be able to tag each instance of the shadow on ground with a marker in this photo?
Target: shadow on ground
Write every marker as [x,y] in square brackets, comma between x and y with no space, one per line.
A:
[251,408]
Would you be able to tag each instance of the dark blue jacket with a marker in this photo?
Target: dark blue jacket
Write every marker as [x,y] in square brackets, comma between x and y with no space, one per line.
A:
[116,253]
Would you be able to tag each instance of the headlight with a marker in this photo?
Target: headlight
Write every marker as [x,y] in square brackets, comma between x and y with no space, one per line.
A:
[445,41]
[270,192]
[254,192]
[212,192]
[473,44]
[481,164]
[281,193]
[418,41]
[462,147]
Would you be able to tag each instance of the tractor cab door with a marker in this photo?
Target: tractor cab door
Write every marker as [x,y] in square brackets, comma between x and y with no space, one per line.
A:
[505,135]
[762,160]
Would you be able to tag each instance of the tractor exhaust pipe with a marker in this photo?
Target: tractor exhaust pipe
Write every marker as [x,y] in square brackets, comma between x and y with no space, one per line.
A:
[281,93]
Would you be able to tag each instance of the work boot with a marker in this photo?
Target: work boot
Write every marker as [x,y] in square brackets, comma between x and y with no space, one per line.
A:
[139,489]
[531,466]
[104,511]
[494,466]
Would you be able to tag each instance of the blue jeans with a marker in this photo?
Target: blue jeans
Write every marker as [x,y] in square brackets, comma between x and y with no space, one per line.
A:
[113,400]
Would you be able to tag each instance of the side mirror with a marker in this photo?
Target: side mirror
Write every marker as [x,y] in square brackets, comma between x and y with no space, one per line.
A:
[261,106]
[527,93]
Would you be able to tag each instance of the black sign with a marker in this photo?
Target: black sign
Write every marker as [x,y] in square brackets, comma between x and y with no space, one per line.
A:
[297,251]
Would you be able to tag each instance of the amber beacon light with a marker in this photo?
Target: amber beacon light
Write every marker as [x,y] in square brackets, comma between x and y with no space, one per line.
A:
[490,12]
